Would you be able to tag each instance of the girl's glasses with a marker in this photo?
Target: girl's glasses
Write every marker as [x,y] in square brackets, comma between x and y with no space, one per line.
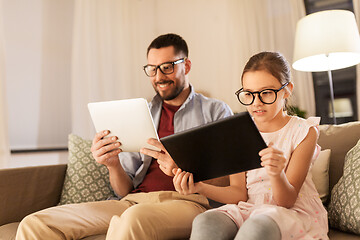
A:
[266,96]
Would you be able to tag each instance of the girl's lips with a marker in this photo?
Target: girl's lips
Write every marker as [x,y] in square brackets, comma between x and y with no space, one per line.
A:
[259,112]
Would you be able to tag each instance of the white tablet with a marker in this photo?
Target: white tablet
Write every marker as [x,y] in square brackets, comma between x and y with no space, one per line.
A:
[129,119]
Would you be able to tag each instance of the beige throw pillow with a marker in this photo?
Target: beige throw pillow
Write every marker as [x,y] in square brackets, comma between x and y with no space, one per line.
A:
[320,174]
[85,179]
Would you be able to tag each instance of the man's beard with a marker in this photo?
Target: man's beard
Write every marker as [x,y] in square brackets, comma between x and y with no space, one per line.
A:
[173,94]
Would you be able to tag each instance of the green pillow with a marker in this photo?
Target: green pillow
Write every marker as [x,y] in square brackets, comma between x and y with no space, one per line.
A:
[85,179]
[344,207]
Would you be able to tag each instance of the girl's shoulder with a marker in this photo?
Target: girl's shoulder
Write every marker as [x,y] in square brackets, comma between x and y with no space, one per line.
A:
[293,132]
[296,121]
[299,127]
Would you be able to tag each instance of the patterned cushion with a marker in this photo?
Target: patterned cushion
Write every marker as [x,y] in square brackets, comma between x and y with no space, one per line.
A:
[344,207]
[85,179]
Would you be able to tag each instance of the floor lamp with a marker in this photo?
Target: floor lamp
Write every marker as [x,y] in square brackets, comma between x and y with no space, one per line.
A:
[326,41]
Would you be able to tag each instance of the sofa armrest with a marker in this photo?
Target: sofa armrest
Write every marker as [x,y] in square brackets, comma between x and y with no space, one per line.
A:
[27,190]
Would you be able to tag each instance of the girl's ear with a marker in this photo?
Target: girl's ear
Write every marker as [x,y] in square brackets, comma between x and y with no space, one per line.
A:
[288,89]
[187,65]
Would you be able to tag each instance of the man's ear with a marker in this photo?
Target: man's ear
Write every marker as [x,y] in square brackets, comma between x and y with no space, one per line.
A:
[187,66]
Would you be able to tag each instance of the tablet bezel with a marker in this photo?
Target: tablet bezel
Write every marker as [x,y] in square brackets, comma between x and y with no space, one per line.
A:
[226,146]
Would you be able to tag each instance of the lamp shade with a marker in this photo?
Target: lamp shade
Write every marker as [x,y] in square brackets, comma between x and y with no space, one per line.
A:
[326,40]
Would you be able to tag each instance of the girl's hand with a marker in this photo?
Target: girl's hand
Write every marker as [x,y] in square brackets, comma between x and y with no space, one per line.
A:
[273,160]
[184,182]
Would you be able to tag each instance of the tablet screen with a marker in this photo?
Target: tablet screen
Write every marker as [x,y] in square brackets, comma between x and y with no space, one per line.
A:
[129,119]
[227,146]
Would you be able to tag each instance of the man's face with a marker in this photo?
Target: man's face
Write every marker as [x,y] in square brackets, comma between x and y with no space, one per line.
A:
[171,85]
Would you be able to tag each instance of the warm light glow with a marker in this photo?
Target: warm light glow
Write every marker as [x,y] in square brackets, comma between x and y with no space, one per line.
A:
[326,40]
[342,108]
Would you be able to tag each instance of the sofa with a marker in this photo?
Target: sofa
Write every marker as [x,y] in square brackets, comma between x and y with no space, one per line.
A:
[26,190]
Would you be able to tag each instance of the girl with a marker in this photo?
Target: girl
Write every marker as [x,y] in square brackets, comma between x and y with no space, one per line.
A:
[279,200]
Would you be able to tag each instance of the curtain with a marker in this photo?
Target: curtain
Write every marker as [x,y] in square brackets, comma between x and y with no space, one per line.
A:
[4,140]
[304,95]
[109,48]
[111,37]
[270,26]
[356,5]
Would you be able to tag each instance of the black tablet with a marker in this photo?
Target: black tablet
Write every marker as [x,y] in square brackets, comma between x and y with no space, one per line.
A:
[227,146]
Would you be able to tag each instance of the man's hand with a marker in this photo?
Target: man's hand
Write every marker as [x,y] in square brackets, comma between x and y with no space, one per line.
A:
[166,163]
[106,150]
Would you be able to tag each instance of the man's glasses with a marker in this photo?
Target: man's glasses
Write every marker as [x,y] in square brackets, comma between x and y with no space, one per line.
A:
[266,96]
[166,68]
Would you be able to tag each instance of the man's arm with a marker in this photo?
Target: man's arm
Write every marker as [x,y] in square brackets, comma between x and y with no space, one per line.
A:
[120,181]
[106,151]
[220,110]
[214,110]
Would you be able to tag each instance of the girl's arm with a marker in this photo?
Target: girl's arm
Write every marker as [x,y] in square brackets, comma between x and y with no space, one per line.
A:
[286,183]
[184,184]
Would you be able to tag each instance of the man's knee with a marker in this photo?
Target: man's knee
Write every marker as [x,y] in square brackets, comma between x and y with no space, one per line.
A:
[136,217]
[136,222]
[30,221]
[31,227]
[138,214]
[27,222]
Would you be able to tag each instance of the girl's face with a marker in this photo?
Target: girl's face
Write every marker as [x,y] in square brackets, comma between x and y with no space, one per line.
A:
[259,80]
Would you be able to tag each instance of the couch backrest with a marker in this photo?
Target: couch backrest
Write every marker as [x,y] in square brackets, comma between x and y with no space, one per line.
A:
[340,139]
[29,189]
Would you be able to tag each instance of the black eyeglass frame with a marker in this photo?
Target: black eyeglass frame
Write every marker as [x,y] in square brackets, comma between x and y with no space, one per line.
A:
[237,93]
[159,66]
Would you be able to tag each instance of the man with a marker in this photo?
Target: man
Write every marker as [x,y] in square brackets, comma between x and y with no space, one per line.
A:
[149,208]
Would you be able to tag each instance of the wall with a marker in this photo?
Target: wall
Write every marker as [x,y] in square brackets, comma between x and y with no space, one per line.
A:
[39,39]
[38,36]
[38,159]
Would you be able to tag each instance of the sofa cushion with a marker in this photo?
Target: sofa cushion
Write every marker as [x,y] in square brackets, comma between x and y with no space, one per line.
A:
[344,207]
[339,235]
[85,179]
[320,174]
[340,139]
[8,231]
[95,237]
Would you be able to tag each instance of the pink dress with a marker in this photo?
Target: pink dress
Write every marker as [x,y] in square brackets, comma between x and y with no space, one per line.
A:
[307,219]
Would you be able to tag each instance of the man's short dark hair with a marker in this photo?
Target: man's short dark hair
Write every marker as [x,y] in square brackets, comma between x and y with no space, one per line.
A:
[170,39]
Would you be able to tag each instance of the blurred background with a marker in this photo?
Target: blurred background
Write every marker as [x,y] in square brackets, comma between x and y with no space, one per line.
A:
[58,55]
